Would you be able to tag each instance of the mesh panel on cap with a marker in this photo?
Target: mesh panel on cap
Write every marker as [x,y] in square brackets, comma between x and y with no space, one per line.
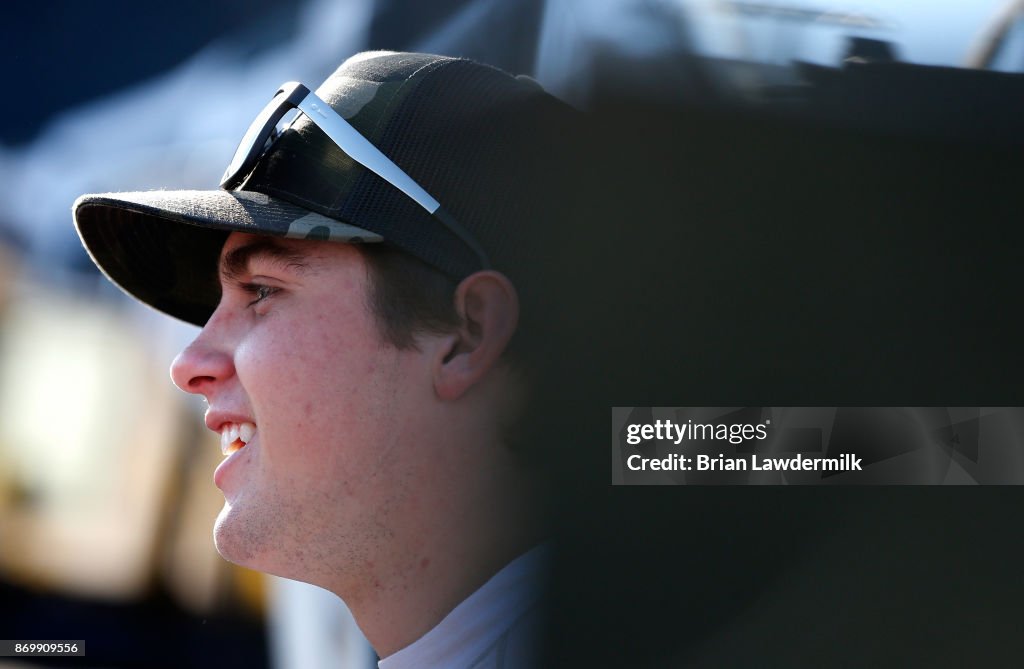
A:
[471,135]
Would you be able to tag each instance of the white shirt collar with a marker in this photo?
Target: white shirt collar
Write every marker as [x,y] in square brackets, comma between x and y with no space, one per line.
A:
[478,621]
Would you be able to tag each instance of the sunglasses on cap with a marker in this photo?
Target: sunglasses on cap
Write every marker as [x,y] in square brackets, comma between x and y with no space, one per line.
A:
[292,95]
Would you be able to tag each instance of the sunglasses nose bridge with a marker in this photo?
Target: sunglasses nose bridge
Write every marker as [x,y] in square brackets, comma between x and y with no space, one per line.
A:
[262,130]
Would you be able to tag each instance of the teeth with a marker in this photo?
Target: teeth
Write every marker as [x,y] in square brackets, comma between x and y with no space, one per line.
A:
[233,436]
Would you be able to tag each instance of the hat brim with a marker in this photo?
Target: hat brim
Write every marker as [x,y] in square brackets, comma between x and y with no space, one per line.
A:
[162,247]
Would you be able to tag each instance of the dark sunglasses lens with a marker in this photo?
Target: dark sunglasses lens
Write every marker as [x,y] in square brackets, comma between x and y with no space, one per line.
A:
[251,146]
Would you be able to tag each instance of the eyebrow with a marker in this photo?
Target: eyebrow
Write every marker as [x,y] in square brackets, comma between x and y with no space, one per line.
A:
[236,262]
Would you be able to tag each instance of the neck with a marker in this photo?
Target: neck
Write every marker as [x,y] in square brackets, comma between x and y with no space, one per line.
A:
[457,540]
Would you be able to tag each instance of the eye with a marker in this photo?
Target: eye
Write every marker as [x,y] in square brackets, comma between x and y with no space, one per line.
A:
[259,292]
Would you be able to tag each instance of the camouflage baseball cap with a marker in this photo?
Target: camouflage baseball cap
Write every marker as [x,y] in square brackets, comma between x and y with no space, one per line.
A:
[477,139]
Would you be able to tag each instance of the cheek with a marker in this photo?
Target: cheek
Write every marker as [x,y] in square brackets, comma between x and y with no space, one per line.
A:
[318,392]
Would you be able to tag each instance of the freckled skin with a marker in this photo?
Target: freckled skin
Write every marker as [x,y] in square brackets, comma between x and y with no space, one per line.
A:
[339,470]
[376,473]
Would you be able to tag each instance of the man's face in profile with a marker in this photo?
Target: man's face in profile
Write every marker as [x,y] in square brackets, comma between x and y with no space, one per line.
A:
[292,360]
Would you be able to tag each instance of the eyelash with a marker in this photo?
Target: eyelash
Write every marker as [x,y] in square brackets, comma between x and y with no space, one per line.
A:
[259,291]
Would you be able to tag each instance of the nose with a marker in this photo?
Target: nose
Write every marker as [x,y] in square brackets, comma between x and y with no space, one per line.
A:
[201,366]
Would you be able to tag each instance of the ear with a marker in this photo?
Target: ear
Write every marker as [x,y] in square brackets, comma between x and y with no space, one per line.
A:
[489,308]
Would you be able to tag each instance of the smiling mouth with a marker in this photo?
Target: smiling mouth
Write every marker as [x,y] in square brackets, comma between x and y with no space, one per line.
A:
[234,436]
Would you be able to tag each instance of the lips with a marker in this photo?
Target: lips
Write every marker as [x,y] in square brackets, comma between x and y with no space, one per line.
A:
[234,436]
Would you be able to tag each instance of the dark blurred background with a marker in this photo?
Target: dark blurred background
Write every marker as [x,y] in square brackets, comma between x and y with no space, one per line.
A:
[775,203]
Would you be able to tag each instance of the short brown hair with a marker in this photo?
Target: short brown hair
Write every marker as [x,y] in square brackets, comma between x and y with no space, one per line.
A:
[406,296]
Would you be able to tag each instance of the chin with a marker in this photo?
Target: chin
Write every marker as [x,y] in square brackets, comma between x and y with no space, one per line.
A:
[248,544]
[231,542]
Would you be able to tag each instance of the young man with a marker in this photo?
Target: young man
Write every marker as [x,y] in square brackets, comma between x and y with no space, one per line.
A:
[359,279]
